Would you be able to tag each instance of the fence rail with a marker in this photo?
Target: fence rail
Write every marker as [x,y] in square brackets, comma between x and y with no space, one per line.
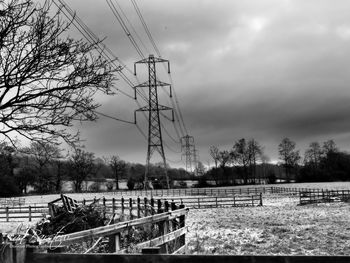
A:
[327,196]
[139,207]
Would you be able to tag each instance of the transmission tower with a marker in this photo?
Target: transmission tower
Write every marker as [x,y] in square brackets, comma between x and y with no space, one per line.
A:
[155,141]
[187,145]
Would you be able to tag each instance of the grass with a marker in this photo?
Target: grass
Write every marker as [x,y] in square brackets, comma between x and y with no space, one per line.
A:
[280,227]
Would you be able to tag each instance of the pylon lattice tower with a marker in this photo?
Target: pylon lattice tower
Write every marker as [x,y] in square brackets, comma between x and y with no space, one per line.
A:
[155,141]
[187,147]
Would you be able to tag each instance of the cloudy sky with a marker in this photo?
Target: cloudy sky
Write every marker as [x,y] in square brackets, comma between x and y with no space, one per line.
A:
[263,69]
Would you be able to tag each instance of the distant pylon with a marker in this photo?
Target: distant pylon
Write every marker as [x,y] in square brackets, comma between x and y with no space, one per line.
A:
[187,147]
[155,141]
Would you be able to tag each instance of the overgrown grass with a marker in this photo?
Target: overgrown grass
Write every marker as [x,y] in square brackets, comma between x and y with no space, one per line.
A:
[281,227]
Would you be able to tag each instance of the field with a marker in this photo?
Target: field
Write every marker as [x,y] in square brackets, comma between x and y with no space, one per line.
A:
[280,227]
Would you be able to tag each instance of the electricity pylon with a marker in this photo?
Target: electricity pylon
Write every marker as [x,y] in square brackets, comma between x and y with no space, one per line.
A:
[187,146]
[155,141]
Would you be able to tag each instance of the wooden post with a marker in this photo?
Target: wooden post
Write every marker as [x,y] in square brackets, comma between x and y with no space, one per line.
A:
[114,241]
[182,238]
[159,206]
[166,206]
[138,207]
[30,213]
[152,206]
[145,205]
[122,206]
[199,204]
[7,213]
[84,201]
[252,200]
[113,205]
[216,201]
[130,208]
[261,202]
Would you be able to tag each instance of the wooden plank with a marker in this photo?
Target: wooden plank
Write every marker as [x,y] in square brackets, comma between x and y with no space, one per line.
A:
[158,241]
[181,250]
[111,229]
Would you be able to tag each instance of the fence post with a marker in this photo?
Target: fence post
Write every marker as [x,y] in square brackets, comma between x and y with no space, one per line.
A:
[84,201]
[114,241]
[122,206]
[166,206]
[152,206]
[130,208]
[113,205]
[7,213]
[216,201]
[145,205]
[30,213]
[182,238]
[199,205]
[138,207]
[261,201]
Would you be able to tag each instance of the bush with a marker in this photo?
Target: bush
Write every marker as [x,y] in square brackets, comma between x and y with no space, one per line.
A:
[8,187]
[131,184]
[95,187]
[109,186]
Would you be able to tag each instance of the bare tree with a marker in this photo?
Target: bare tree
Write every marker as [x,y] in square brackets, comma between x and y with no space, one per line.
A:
[329,147]
[47,80]
[255,151]
[289,156]
[241,158]
[118,167]
[313,155]
[214,153]
[44,155]
[82,166]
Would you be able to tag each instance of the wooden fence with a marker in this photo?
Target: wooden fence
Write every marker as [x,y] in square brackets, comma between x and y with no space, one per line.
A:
[324,196]
[212,191]
[13,201]
[22,213]
[138,207]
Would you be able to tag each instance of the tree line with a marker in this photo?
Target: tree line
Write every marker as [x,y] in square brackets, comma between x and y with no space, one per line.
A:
[246,163]
[43,167]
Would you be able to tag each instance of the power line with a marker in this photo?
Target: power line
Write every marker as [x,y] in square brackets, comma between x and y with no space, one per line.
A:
[114,118]
[124,27]
[145,27]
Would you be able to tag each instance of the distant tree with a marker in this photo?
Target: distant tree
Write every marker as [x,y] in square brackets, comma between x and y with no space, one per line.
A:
[82,166]
[255,152]
[241,159]
[214,153]
[200,169]
[329,147]
[225,158]
[47,79]
[289,155]
[265,160]
[313,155]
[118,167]
[44,155]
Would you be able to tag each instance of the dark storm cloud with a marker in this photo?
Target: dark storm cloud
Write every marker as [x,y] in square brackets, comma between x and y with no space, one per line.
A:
[254,69]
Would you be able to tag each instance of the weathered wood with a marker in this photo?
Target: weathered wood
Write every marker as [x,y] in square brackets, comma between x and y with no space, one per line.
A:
[163,239]
[110,229]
